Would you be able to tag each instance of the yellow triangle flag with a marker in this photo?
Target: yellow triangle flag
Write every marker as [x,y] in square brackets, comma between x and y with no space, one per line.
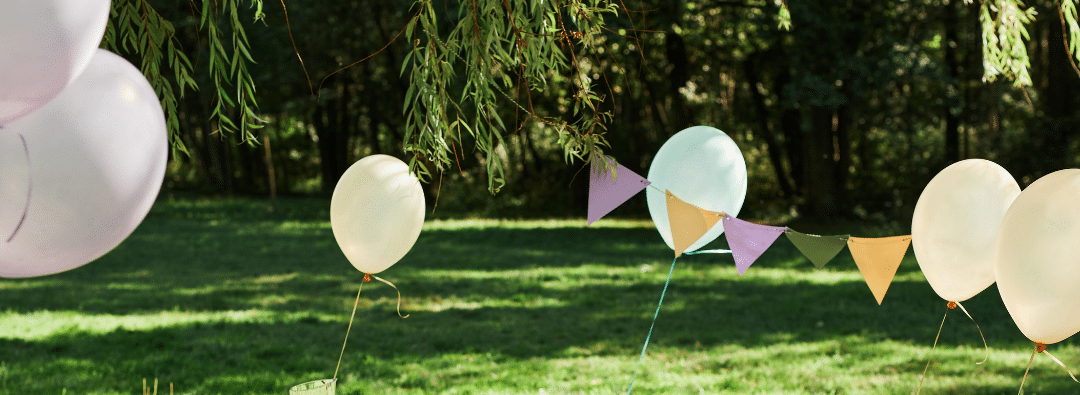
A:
[878,258]
[687,222]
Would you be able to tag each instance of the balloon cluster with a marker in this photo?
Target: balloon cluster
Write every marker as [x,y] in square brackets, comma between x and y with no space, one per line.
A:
[83,141]
[973,226]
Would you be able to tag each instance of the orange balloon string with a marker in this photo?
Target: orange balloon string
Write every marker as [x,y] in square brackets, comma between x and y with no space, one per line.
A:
[1037,345]
[357,302]
[951,306]
[1058,362]
[985,346]
[398,295]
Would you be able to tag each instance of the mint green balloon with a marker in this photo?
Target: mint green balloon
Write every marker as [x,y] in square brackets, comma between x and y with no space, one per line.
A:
[702,166]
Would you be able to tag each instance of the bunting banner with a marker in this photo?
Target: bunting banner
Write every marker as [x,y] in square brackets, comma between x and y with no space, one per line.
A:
[688,222]
[878,259]
[607,192]
[748,240]
[819,250]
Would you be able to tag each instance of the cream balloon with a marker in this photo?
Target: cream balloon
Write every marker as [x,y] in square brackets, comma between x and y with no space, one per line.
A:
[1037,266]
[955,226]
[44,45]
[376,212]
[96,160]
[702,166]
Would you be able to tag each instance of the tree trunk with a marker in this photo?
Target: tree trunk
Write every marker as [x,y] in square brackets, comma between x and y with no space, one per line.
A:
[219,161]
[792,131]
[1056,100]
[952,120]
[772,145]
[842,155]
[819,168]
[681,115]
[328,127]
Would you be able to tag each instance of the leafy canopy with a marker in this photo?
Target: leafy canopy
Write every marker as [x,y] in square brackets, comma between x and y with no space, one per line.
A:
[472,58]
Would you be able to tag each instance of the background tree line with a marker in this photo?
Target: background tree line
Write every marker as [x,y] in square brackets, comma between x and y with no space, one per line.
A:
[848,113]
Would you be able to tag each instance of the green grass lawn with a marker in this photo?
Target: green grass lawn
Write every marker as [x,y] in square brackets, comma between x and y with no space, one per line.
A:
[224,297]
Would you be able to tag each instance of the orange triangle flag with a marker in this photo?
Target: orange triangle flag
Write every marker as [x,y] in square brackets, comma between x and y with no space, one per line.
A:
[878,258]
[687,222]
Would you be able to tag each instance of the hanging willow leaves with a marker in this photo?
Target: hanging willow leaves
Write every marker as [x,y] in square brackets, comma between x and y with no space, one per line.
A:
[1004,34]
[467,55]
[136,28]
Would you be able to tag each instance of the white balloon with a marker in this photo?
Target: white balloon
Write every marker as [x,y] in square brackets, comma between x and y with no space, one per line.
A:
[44,45]
[955,226]
[376,212]
[1038,258]
[97,156]
[702,166]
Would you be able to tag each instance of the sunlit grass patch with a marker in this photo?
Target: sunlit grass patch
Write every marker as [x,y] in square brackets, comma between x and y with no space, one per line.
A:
[44,324]
[227,297]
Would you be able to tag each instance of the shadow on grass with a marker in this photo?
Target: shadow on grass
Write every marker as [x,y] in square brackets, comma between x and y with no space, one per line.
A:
[512,292]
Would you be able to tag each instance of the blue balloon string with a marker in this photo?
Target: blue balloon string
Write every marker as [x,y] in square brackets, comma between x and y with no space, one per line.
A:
[708,252]
[647,337]
[657,313]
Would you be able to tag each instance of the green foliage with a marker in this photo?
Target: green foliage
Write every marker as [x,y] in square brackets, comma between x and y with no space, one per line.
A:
[784,16]
[135,27]
[231,68]
[467,55]
[1067,12]
[1004,34]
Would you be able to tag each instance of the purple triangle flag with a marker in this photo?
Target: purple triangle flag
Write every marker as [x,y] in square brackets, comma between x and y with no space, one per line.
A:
[607,193]
[748,241]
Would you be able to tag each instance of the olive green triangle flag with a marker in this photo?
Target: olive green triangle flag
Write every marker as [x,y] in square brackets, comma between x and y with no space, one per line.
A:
[818,249]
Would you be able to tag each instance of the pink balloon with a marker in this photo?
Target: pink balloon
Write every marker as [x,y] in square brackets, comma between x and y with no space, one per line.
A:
[97,155]
[44,45]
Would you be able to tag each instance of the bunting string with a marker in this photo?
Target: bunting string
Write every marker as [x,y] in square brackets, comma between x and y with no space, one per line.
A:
[877,258]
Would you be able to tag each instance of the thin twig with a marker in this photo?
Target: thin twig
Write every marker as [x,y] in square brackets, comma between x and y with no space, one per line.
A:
[289,28]
[1065,40]
[369,56]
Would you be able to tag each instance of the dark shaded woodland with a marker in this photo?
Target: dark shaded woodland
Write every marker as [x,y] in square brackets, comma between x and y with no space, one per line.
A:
[849,114]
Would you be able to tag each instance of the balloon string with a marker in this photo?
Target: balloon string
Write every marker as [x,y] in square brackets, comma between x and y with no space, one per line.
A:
[357,302]
[1062,365]
[29,189]
[1028,368]
[707,251]
[398,295]
[933,348]
[647,337]
[987,356]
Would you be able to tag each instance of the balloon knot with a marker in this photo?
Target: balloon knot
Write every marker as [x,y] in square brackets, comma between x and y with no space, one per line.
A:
[367,277]
[952,305]
[1039,347]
